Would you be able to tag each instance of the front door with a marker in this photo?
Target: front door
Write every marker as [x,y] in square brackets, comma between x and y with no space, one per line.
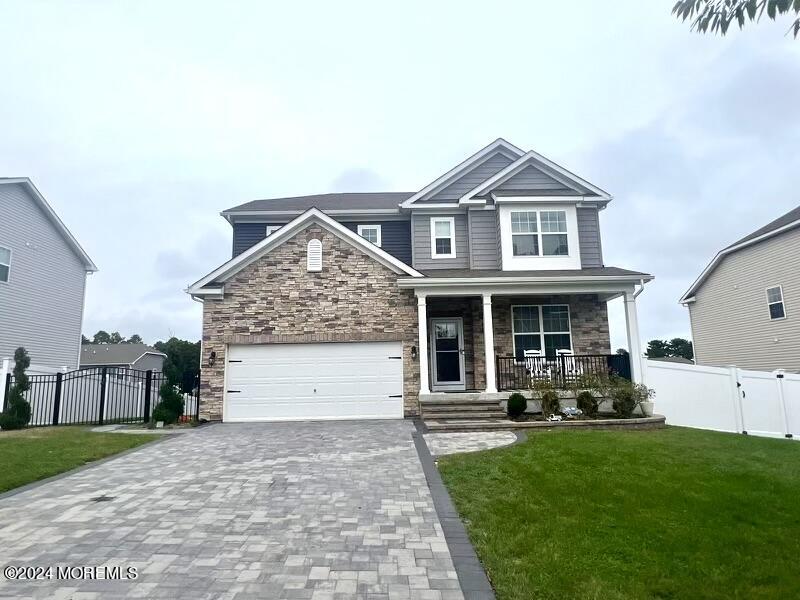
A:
[447,353]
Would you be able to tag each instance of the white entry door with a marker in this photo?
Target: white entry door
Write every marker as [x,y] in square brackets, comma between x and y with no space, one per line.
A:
[447,353]
[282,382]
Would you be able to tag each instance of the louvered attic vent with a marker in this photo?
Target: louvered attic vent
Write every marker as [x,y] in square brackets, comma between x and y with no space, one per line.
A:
[314,256]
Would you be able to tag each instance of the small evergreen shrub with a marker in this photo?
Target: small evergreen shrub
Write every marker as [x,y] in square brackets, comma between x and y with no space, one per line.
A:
[18,412]
[171,407]
[551,403]
[516,405]
[587,403]
[626,396]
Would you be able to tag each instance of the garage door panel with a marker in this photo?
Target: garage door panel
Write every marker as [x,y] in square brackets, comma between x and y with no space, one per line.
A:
[357,380]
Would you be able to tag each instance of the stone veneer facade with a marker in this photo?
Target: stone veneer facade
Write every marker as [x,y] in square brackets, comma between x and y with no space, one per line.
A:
[276,300]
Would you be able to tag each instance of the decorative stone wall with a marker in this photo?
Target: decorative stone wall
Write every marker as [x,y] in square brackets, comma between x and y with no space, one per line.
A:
[588,320]
[276,300]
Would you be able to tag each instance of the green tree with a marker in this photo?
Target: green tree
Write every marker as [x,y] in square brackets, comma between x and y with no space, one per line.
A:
[182,362]
[718,15]
[622,351]
[85,340]
[18,413]
[134,339]
[657,349]
[101,337]
[681,347]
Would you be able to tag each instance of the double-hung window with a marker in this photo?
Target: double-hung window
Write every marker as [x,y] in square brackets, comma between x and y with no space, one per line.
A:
[539,233]
[775,303]
[5,264]
[443,237]
[371,233]
[544,328]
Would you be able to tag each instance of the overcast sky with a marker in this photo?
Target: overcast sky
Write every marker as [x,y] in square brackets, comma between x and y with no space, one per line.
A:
[140,122]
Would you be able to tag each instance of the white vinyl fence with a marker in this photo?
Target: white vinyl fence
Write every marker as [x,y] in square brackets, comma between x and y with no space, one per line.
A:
[726,398]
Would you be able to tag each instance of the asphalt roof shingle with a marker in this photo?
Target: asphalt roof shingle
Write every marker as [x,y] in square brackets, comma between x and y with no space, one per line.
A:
[113,354]
[344,201]
[789,217]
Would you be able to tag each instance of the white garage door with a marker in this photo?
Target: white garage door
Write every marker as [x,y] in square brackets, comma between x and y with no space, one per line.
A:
[275,382]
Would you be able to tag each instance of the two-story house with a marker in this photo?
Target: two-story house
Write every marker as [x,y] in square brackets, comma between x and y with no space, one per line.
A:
[742,307]
[361,305]
[43,273]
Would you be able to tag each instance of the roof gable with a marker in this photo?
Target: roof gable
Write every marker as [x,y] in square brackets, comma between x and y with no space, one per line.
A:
[534,172]
[783,223]
[115,354]
[285,233]
[499,146]
[51,215]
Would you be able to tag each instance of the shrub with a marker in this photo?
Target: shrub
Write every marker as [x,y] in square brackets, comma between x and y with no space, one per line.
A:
[551,402]
[587,403]
[18,412]
[626,396]
[171,407]
[516,405]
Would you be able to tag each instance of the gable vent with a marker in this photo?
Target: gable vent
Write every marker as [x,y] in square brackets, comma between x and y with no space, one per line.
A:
[314,255]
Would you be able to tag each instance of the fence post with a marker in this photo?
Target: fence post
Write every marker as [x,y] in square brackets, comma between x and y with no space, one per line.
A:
[5,381]
[197,398]
[148,384]
[738,412]
[782,400]
[57,398]
[104,378]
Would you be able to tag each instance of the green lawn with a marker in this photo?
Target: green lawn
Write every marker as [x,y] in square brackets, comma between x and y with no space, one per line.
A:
[671,513]
[31,454]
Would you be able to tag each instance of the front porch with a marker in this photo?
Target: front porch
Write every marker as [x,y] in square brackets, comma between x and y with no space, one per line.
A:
[495,338]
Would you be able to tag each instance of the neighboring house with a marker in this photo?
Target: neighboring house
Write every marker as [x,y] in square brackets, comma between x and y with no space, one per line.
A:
[356,305]
[43,273]
[743,306]
[673,359]
[123,356]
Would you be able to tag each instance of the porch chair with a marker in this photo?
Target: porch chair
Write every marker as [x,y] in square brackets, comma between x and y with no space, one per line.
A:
[572,368]
[536,365]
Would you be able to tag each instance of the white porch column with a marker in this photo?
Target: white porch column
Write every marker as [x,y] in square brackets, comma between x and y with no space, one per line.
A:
[634,342]
[422,314]
[488,345]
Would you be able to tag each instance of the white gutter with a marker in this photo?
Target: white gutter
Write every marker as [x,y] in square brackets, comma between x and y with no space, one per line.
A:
[481,281]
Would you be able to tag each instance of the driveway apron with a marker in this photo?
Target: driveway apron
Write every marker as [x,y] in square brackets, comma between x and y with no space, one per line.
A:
[264,510]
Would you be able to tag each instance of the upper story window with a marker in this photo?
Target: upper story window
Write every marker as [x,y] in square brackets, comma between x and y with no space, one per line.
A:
[272,229]
[5,264]
[443,237]
[539,233]
[371,233]
[774,302]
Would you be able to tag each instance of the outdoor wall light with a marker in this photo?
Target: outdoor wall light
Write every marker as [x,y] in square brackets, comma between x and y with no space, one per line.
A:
[212,358]
[413,352]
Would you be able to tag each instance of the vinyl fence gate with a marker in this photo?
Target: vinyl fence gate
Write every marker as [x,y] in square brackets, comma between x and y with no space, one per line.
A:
[101,396]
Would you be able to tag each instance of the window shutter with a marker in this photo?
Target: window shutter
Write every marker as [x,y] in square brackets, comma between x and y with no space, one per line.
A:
[314,256]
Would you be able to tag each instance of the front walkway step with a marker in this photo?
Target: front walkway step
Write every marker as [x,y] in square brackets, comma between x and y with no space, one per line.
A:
[467,406]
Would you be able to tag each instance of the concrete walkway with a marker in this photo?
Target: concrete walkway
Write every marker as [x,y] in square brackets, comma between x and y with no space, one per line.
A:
[302,510]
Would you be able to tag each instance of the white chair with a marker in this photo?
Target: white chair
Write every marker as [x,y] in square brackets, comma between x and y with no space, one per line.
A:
[536,365]
[572,368]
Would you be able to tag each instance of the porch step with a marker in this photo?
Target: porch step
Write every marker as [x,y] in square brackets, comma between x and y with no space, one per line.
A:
[449,404]
[465,415]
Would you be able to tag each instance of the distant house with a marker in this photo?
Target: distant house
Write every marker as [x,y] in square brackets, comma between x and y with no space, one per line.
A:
[744,306]
[43,273]
[673,359]
[122,356]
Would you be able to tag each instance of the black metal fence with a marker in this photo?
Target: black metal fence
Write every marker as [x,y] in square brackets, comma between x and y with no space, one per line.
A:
[101,396]
[563,371]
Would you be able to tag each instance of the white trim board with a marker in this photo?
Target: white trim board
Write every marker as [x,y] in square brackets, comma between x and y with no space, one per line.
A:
[285,233]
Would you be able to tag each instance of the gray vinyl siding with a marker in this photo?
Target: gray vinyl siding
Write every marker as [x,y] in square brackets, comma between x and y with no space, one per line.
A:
[530,178]
[41,307]
[421,230]
[471,179]
[589,237]
[149,362]
[395,236]
[483,239]
[730,319]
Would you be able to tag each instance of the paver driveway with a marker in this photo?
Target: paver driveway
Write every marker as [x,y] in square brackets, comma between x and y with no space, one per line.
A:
[300,510]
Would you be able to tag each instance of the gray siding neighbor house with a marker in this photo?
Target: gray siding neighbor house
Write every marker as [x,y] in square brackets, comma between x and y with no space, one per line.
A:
[43,273]
[744,306]
[390,304]
[123,356]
